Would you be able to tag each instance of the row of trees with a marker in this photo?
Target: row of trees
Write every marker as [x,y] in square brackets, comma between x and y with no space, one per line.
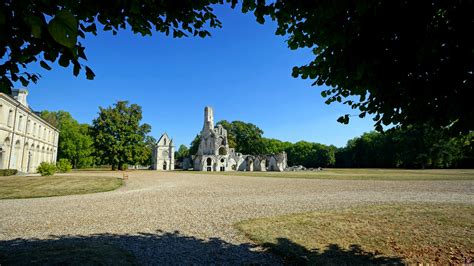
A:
[116,137]
[410,147]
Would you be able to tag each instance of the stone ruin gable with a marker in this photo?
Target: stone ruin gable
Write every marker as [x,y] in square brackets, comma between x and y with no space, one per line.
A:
[277,162]
[213,140]
[163,154]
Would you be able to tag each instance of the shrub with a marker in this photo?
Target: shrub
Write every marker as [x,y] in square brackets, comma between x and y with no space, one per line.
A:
[46,168]
[63,165]
[7,172]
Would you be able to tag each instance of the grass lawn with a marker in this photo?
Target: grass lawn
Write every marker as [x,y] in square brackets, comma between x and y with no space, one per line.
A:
[19,187]
[70,254]
[363,174]
[382,234]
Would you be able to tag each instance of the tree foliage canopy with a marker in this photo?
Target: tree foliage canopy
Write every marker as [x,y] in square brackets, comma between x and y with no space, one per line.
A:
[75,142]
[244,137]
[50,31]
[119,138]
[406,62]
[413,147]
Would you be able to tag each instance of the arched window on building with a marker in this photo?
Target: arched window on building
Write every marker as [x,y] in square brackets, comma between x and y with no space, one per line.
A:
[28,126]
[15,160]
[10,118]
[20,123]
[1,114]
[4,153]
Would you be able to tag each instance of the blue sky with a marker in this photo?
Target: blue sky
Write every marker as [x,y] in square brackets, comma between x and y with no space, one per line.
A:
[243,71]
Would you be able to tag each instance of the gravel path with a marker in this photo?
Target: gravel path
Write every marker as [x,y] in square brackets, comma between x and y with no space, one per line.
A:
[181,217]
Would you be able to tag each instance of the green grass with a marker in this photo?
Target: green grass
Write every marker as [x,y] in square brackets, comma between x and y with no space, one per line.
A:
[70,254]
[20,187]
[363,174]
[381,234]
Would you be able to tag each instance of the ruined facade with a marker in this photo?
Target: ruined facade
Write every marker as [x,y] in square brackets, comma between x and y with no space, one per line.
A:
[214,153]
[163,154]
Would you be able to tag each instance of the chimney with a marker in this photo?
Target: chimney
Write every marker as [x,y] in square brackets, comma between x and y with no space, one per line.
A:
[20,95]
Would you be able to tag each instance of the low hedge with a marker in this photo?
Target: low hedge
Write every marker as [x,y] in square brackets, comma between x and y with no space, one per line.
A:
[8,172]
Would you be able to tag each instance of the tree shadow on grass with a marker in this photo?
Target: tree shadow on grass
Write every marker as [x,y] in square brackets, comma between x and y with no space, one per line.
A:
[295,254]
[169,248]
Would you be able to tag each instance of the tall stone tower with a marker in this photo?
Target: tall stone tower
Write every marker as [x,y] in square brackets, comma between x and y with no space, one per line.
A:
[208,119]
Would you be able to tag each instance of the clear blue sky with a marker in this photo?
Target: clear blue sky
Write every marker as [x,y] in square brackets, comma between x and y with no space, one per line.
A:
[243,71]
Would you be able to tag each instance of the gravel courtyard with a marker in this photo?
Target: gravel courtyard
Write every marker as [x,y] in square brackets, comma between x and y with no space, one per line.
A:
[170,217]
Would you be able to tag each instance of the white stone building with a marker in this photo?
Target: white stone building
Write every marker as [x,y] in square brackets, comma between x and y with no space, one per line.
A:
[214,153]
[163,154]
[26,139]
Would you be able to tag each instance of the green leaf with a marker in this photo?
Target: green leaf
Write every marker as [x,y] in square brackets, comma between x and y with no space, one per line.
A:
[76,69]
[63,61]
[63,28]
[343,119]
[44,65]
[24,82]
[89,73]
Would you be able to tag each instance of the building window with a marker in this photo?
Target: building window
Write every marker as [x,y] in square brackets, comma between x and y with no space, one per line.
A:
[28,124]
[10,118]
[20,123]
[165,141]
[34,129]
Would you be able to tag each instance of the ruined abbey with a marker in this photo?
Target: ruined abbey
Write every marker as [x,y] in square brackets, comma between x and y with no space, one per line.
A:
[214,153]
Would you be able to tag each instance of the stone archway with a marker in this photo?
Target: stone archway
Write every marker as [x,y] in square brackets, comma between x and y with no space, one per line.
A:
[222,151]
[209,164]
[250,162]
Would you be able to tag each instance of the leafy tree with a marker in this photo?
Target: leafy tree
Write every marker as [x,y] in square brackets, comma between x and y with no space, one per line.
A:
[150,143]
[182,152]
[194,146]
[119,137]
[275,146]
[419,146]
[247,136]
[75,142]
[405,62]
[466,144]
[311,154]
[50,31]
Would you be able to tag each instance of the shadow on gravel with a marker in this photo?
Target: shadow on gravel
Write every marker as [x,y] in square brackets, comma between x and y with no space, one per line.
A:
[168,248]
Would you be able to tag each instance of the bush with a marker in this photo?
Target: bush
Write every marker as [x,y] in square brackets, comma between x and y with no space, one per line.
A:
[63,165]
[7,172]
[46,168]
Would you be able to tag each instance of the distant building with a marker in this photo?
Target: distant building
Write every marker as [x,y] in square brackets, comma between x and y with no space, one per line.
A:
[163,154]
[26,139]
[214,153]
